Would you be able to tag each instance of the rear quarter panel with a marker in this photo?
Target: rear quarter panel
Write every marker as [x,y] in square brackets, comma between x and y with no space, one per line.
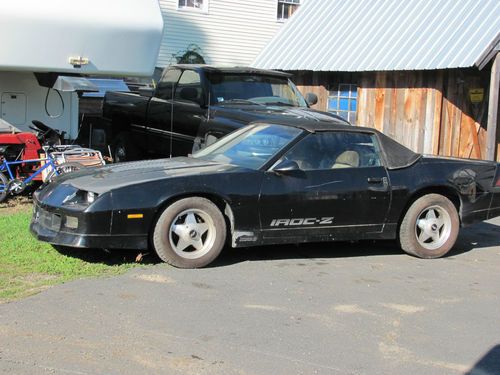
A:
[495,199]
[471,181]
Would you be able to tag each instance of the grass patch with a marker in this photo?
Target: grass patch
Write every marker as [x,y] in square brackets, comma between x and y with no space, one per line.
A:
[28,266]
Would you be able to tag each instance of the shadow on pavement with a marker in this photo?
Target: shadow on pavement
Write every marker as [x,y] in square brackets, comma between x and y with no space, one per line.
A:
[322,250]
[489,364]
[109,257]
[478,236]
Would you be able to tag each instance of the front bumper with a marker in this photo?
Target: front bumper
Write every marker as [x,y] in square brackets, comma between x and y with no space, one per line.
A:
[47,225]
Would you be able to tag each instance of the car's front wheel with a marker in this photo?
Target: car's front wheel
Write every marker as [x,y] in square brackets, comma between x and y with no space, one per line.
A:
[430,227]
[190,233]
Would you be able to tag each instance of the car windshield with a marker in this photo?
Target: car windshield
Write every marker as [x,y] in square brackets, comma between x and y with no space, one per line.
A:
[254,89]
[250,147]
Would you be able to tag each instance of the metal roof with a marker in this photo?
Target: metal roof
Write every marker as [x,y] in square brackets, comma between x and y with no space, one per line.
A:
[375,35]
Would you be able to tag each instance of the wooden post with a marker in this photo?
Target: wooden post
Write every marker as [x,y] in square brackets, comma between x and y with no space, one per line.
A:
[491,132]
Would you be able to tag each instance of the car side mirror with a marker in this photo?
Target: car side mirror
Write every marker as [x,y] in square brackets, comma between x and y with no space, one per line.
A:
[287,167]
[146,91]
[311,98]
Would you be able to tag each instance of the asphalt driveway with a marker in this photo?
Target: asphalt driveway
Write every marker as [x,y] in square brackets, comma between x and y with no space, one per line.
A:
[361,308]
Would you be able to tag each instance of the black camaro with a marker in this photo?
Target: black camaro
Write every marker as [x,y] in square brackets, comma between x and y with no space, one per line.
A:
[271,183]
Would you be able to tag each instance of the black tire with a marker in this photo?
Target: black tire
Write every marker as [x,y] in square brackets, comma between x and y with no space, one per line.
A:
[4,187]
[430,227]
[124,148]
[176,227]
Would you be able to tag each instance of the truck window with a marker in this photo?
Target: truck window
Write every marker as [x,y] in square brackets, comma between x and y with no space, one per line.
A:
[167,83]
[189,87]
[256,88]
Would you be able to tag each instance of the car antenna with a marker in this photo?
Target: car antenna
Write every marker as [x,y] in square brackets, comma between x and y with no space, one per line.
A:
[208,107]
[171,120]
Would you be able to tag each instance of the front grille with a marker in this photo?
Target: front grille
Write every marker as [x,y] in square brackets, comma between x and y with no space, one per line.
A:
[47,219]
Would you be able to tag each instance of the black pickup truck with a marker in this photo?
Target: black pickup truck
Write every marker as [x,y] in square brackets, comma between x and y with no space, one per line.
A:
[194,105]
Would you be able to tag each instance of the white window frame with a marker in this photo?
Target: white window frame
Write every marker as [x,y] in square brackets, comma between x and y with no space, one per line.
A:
[335,94]
[290,2]
[202,9]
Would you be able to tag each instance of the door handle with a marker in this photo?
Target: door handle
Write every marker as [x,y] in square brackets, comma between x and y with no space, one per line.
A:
[377,181]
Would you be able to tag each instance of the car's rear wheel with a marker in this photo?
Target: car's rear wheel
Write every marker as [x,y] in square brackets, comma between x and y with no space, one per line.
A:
[430,227]
[190,233]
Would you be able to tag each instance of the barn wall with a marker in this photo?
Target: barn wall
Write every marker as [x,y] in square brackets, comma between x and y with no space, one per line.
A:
[428,111]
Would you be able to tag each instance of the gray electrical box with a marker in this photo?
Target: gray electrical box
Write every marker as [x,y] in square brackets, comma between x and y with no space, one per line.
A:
[13,108]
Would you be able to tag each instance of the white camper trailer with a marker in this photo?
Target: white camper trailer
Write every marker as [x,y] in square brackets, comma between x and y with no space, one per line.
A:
[42,42]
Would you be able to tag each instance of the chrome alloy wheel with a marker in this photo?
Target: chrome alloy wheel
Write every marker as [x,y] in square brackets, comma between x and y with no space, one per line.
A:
[192,234]
[433,227]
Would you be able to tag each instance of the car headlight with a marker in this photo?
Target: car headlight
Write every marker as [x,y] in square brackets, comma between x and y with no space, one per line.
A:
[80,198]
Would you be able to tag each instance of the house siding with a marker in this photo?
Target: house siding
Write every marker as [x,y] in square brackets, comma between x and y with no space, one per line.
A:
[230,32]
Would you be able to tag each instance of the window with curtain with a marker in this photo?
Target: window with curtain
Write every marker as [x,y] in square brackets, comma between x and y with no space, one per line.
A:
[200,5]
[286,8]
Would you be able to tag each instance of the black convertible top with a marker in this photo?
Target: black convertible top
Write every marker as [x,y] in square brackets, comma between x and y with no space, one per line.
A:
[396,155]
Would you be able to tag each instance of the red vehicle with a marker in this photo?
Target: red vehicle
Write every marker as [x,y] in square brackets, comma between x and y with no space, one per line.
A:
[18,145]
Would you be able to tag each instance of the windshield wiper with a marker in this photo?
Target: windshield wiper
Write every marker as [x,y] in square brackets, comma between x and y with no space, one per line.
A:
[281,103]
[236,101]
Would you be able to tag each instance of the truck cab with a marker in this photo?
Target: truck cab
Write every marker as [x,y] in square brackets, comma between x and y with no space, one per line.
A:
[194,105]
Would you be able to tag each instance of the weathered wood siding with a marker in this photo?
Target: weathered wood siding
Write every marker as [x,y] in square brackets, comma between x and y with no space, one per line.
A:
[428,111]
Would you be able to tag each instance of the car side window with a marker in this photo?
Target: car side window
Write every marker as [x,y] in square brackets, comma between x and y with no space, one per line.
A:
[189,87]
[333,150]
[167,83]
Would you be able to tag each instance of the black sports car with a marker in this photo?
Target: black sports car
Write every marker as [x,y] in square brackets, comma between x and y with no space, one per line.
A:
[271,183]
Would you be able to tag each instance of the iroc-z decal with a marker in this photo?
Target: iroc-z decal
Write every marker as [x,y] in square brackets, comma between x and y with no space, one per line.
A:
[298,221]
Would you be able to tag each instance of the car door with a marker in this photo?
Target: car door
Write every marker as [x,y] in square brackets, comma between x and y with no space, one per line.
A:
[341,190]
[159,115]
[188,112]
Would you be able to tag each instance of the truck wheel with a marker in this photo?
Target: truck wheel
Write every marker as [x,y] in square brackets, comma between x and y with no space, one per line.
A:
[430,227]
[4,187]
[190,233]
[124,149]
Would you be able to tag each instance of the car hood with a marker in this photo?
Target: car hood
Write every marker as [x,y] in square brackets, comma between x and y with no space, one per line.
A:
[103,179]
[249,113]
